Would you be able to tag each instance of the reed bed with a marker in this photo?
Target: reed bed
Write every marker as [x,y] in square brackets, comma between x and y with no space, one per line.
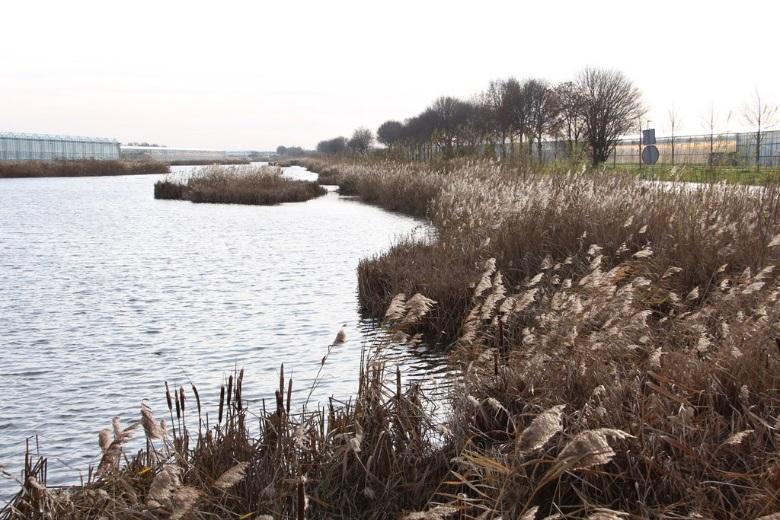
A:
[259,185]
[636,321]
[372,457]
[79,168]
[619,353]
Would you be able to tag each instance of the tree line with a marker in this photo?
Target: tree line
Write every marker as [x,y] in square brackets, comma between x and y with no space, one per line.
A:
[511,118]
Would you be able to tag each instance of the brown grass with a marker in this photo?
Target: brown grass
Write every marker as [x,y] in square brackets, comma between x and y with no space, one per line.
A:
[373,457]
[619,355]
[79,168]
[261,185]
[647,311]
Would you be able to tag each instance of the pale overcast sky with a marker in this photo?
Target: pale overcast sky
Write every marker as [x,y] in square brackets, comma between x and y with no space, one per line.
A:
[229,74]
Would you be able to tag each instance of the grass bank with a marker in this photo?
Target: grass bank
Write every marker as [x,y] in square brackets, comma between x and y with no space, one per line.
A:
[703,173]
[261,185]
[619,355]
[79,168]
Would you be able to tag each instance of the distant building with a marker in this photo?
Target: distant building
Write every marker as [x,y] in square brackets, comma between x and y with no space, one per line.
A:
[165,154]
[45,147]
[250,155]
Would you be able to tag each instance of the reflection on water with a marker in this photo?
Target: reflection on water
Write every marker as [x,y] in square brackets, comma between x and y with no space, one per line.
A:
[105,293]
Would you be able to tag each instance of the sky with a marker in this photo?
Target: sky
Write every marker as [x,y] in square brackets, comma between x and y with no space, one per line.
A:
[254,74]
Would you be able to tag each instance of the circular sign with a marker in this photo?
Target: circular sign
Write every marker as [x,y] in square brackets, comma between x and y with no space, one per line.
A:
[650,154]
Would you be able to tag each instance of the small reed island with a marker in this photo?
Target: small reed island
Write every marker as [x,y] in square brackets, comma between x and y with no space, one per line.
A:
[258,185]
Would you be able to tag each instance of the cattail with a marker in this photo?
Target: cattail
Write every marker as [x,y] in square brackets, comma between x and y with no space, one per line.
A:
[181,398]
[168,397]
[221,403]
[197,397]
[230,388]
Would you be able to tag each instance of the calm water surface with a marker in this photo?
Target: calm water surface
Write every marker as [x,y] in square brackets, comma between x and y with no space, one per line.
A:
[105,293]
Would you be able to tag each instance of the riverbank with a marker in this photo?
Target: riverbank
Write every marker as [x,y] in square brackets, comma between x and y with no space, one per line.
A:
[79,168]
[259,185]
[618,353]
[222,162]
[613,305]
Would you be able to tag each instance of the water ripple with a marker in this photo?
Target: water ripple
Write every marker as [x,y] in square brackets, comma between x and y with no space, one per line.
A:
[105,293]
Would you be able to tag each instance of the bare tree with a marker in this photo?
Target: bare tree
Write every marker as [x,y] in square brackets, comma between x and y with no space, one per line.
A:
[542,112]
[570,103]
[711,121]
[389,133]
[335,146]
[673,118]
[762,116]
[450,116]
[496,99]
[611,105]
[361,141]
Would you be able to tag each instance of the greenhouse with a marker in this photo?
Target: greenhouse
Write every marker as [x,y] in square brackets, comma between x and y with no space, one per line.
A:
[165,154]
[44,147]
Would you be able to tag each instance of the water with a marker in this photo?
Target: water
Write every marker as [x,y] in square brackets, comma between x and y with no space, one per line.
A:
[105,293]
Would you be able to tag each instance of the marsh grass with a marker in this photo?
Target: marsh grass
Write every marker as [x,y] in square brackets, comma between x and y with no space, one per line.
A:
[639,318]
[619,356]
[371,457]
[79,168]
[259,185]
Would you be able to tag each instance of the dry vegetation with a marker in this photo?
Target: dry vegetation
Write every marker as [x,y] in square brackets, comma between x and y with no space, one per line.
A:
[238,185]
[79,168]
[620,358]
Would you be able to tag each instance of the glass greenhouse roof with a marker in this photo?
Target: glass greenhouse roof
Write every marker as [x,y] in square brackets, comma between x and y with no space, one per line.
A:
[54,137]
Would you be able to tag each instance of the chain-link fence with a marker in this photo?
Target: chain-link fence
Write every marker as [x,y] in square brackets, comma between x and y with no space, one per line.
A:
[730,149]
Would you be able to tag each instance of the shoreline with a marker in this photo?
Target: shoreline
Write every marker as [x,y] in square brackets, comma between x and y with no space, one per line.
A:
[36,169]
[595,338]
